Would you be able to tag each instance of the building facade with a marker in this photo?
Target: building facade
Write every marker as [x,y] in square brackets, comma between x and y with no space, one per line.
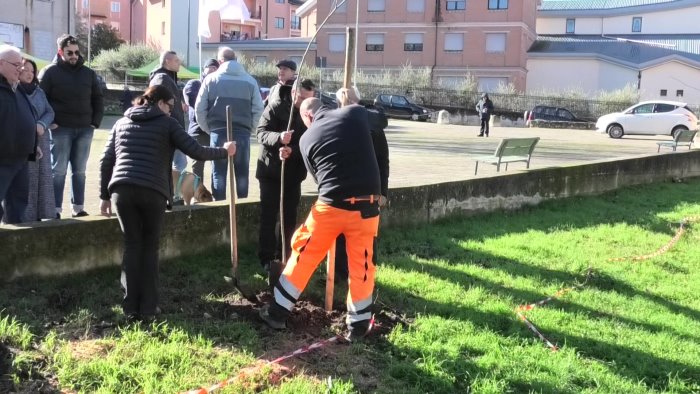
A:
[653,45]
[485,38]
[34,25]
[115,13]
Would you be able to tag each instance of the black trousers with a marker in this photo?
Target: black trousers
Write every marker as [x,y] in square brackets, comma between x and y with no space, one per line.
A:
[140,211]
[485,126]
[269,239]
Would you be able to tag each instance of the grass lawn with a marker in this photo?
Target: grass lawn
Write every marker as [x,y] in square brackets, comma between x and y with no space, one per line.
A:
[447,294]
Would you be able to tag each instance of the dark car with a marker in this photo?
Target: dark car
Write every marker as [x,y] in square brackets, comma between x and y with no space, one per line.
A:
[101,82]
[396,106]
[545,112]
[327,98]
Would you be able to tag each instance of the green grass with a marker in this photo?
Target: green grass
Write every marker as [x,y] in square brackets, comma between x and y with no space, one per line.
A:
[633,327]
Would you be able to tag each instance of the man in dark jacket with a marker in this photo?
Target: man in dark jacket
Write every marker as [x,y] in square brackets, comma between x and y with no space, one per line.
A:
[76,97]
[286,75]
[272,134]
[17,138]
[337,151]
[189,93]
[484,107]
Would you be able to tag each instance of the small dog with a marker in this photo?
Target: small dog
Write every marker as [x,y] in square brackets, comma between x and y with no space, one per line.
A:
[190,188]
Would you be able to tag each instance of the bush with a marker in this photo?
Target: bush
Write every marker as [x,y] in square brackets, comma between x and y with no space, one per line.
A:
[115,62]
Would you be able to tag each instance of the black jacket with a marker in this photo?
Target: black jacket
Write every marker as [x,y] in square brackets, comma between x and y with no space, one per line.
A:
[377,124]
[140,149]
[168,79]
[273,123]
[73,92]
[338,152]
[17,125]
[484,107]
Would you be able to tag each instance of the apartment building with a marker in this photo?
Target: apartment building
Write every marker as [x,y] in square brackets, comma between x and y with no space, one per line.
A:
[115,13]
[592,45]
[34,25]
[487,38]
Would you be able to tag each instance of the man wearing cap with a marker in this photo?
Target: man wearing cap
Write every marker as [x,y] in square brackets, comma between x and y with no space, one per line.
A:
[286,75]
[190,92]
[272,135]
[484,107]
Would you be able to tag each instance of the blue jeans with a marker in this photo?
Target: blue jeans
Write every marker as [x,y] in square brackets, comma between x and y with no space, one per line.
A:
[179,161]
[241,164]
[14,191]
[70,145]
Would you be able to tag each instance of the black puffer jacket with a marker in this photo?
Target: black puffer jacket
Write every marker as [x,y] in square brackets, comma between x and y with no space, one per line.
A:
[273,123]
[17,125]
[140,149]
[168,79]
[73,92]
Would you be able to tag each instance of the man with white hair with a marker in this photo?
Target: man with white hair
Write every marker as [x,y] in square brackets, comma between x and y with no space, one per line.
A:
[17,139]
[229,85]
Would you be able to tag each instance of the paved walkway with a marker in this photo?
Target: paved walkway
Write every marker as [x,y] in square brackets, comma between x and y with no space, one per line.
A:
[425,153]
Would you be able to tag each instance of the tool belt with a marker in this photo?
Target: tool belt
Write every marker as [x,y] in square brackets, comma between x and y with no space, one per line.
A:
[368,205]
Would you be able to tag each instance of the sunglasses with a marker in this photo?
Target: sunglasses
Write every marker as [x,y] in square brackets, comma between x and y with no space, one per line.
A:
[71,53]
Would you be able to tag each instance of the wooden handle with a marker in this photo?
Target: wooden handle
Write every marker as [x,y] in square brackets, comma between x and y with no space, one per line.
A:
[232,197]
[330,278]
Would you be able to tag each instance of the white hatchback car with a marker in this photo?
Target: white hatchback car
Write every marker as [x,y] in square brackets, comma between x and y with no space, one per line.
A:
[649,117]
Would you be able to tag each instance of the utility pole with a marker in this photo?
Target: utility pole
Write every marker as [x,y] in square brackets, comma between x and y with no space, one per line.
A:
[89,32]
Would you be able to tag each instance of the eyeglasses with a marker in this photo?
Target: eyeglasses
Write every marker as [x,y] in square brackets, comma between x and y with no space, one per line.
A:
[17,65]
[71,53]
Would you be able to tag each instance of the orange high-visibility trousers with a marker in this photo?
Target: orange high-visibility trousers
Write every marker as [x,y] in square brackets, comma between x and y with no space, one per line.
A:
[310,244]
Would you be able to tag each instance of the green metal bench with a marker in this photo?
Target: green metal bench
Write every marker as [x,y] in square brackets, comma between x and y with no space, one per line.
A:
[682,138]
[508,151]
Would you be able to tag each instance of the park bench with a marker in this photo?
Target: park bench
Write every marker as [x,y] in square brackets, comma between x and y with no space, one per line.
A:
[508,151]
[682,138]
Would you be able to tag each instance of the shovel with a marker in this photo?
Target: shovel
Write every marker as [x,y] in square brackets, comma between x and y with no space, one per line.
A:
[234,279]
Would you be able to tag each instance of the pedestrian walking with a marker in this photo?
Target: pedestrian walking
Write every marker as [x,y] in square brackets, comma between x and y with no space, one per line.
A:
[75,95]
[135,175]
[485,108]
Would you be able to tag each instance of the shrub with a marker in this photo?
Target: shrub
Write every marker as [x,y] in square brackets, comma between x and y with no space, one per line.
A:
[115,62]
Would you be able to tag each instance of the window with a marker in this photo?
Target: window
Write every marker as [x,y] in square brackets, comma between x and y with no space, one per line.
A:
[85,4]
[336,42]
[296,22]
[375,6]
[498,4]
[643,109]
[279,1]
[341,8]
[495,42]
[663,93]
[660,108]
[375,42]
[162,4]
[456,5]
[679,93]
[570,26]
[415,5]
[454,42]
[162,28]
[261,59]
[399,100]
[116,6]
[413,42]
[490,84]
[564,114]
[637,24]
[279,23]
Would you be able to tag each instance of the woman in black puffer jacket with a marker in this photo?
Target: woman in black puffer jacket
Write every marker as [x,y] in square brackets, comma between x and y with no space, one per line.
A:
[135,173]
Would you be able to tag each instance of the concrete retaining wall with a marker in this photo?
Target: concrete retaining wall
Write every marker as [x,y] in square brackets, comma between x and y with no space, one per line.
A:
[58,247]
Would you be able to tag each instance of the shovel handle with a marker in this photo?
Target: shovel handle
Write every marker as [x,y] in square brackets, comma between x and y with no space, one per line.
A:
[232,198]
[330,277]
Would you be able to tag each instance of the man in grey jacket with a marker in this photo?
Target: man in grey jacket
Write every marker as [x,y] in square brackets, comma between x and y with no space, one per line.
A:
[229,85]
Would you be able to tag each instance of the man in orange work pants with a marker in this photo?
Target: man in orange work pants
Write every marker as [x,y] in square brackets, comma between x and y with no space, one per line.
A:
[338,152]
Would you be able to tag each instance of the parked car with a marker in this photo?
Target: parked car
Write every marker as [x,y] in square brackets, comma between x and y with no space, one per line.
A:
[649,117]
[264,92]
[395,106]
[327,98]
[546,112]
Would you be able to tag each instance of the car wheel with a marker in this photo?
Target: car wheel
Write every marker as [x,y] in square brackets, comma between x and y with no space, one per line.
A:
[414,117]
[677,130]
[615,131]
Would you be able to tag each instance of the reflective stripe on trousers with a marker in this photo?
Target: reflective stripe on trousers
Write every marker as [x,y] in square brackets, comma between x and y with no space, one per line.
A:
[310,244]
